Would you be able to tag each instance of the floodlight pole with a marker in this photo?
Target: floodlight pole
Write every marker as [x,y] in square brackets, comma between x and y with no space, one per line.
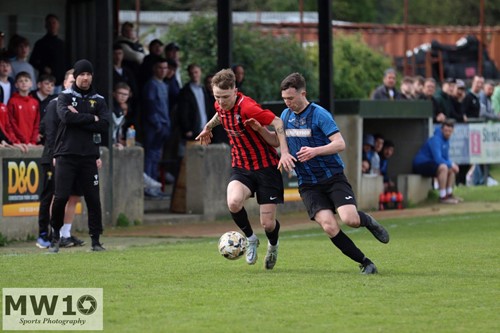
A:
[325,54]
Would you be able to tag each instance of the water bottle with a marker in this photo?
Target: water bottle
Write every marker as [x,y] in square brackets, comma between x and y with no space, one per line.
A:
[131,136]
[375,164]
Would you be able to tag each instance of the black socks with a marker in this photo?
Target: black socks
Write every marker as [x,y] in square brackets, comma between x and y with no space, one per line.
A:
[273,235]
[241,220]
[347,246]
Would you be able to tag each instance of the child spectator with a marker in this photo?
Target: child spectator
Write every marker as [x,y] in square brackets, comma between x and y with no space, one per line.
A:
[121,94]
[24,114]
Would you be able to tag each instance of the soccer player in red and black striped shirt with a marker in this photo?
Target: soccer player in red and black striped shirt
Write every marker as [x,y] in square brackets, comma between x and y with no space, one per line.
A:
[255,163]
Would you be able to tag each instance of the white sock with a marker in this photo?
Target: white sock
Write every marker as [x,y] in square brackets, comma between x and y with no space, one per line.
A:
[449,190]
[66,230]
[442,193]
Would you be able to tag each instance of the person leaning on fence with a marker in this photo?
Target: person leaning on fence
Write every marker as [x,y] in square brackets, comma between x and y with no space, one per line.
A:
[432,160]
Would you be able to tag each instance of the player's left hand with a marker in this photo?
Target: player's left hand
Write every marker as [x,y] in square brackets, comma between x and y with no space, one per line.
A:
[306,153]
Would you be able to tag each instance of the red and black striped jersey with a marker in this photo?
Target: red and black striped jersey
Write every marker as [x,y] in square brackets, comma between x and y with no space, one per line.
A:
[248,149]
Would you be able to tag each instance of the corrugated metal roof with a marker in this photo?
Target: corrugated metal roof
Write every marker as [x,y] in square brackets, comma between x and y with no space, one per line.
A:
[149,17]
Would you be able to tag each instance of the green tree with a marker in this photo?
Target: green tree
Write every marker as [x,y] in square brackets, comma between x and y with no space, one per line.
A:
[267,60]
[358,69]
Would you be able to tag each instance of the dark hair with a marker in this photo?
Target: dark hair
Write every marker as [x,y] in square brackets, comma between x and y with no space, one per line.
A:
[23,74]
[294,80]
[121,85]
[50,16]
[46,77]
[388,143]
[191,66]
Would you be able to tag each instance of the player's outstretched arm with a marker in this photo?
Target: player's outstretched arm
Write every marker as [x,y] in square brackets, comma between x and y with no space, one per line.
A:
[286,159]
[205,136]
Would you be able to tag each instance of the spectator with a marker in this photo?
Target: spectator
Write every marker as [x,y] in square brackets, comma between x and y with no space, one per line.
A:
[432,160]
[48,55]
[471,106]
[457,99]
[485,95]
[370,159]
[44,94]
[418,87]
[428,95]
[121,95]
[172,52]
[20,62]
[122,73]
[379,143]
[406,88]
[387,90]
[7,85]
[173,85]
[495,99]
[444,101]
[157,125]
[385,155]
[155,53]
[192,105]
[133,51]
[239,73]
[24,114]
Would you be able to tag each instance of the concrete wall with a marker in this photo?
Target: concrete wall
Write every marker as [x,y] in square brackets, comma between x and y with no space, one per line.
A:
[126,186]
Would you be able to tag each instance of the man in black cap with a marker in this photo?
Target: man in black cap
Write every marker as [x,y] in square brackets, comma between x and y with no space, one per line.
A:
[84,122]
[172,53]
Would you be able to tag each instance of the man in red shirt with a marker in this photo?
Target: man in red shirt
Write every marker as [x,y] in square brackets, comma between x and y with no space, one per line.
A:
[255,163]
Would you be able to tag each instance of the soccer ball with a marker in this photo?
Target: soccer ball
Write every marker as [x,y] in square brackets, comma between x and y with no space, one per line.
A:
[232,245]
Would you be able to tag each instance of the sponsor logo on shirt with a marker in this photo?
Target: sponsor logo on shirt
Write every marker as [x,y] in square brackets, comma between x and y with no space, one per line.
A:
[302,133]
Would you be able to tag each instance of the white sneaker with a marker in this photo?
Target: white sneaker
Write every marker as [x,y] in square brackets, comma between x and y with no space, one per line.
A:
[252,251]
[271,255]
[150,182]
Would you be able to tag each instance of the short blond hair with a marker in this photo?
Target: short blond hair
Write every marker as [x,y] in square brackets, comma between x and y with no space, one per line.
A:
[224,79]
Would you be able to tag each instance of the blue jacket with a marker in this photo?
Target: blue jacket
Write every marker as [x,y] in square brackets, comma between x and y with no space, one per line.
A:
[436,150]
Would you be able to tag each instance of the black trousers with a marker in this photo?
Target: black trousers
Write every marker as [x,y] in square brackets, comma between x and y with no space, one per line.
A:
[83,170]
[46,199]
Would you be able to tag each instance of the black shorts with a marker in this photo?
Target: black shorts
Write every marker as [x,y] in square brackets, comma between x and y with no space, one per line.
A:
[334,193]
[267,183]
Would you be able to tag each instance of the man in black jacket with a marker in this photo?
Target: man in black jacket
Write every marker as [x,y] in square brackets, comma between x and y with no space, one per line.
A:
[84,122]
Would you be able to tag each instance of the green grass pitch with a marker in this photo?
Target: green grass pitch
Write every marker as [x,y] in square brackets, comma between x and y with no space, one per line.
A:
[437,274]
